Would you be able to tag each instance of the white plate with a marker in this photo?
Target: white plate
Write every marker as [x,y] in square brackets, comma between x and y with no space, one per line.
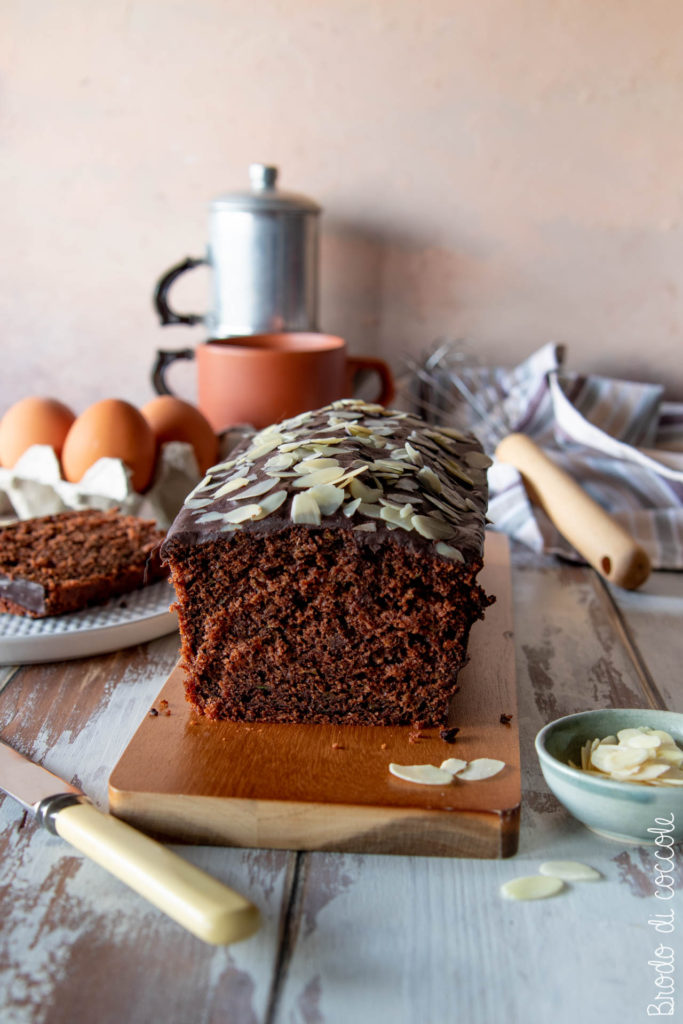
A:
[129,619]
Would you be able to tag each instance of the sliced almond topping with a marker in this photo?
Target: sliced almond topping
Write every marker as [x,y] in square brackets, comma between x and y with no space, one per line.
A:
[270,503]
[360,490]
[413,454]
[305,509]
[312,463]
[320,476]
[351,507]
[257,489]
[431,528]
[197,503]
[365,528]
[449,552]
[429,479]
[283,461]
[372,511]
[240,515]
[393,514]
[327,497]
[477,460]
[258,450]
[233,485]
[351,474]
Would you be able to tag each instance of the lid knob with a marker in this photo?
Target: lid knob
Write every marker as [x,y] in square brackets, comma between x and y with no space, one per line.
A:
[262,177]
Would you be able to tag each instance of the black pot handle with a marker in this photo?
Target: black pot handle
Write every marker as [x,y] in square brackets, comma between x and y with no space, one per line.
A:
[162,363]
[166,314]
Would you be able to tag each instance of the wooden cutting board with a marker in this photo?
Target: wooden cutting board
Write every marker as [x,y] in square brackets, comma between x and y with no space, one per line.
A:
[325,787]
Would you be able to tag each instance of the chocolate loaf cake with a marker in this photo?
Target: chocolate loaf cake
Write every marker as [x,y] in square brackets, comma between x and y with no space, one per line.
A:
[62,563]
[327,571]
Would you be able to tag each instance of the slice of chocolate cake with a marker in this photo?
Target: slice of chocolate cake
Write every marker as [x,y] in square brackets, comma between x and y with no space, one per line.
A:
[62,563]
[327,571]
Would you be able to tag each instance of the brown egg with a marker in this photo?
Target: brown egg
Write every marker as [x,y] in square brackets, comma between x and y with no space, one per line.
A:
[115,429]
[171,419]
[33,421]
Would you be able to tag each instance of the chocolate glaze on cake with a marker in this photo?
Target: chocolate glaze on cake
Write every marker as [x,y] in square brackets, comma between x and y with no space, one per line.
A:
[326,572]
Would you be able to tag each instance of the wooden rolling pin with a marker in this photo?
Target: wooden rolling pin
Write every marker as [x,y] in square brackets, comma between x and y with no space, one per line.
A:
[605,545]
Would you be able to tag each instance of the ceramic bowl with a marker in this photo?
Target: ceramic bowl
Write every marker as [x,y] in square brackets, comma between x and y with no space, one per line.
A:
[625,811]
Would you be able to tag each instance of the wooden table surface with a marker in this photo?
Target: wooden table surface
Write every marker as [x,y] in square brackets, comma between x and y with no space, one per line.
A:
[367,939]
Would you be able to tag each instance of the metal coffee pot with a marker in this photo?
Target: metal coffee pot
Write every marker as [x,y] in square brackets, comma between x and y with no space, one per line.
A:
[263,253]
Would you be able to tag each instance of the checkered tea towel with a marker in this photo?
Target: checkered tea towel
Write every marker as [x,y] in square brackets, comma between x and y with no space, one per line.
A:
[619,440]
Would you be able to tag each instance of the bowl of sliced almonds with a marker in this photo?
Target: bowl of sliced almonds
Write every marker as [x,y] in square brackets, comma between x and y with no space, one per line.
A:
[619,771]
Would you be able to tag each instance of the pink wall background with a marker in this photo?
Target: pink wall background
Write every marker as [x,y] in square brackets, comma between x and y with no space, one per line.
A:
[508,172]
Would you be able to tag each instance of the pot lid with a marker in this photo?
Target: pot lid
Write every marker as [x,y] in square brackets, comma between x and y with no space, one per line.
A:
[264,195]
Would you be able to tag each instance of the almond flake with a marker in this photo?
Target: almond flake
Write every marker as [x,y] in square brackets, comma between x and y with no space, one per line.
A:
[257,489]
[569,871]
[453,765]
[351,507]
[429,479]
[481,768]
[312,463]
[270,503]
[360,490]
[531,887]
[320,476]
[365,528]
[455,470]
[392,514]
[233,485]
[258,450]
[424,774]
[305,509]
[449,552]
[279,462]
[327,497]
[431,528]
[477,460]
[413,454]
[197,503]
[372,511]
[240,515]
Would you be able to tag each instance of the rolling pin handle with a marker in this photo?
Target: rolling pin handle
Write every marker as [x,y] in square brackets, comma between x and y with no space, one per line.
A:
[603,542]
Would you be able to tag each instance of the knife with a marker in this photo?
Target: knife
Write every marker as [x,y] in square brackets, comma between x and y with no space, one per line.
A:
[198,902]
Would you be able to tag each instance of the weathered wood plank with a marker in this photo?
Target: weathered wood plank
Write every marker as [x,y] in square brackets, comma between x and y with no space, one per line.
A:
[653,618]
[77,945]
[393,940]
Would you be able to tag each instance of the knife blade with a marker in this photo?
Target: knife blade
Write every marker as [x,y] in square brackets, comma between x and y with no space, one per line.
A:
[200,903]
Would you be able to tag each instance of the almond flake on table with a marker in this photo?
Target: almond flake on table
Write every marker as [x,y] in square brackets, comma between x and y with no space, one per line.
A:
[569,871]
[531,887]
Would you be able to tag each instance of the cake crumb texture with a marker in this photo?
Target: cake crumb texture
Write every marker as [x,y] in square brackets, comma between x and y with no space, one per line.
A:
[326,572]
[55,564]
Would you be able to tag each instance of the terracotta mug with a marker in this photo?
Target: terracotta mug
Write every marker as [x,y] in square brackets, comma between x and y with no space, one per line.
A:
[263,378]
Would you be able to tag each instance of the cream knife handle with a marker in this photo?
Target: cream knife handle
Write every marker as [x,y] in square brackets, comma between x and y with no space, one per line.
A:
[603,542]
[198,902]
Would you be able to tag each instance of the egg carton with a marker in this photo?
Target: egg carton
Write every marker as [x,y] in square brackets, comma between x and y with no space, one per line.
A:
[35,487]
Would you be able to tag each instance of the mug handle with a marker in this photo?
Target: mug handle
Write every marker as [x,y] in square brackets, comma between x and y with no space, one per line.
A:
[355,364]
[166,314]
[162,362]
